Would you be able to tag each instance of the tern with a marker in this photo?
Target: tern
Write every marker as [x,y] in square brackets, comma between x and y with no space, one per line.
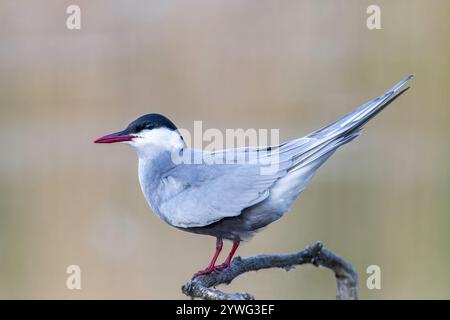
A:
[234,199]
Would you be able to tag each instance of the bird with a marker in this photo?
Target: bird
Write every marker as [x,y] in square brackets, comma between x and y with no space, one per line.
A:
[233,200]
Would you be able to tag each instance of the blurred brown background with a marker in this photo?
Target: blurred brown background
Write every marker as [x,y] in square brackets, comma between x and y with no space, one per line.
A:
[293,65]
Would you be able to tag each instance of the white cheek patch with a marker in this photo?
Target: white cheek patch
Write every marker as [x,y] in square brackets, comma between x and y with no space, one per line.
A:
[157,140]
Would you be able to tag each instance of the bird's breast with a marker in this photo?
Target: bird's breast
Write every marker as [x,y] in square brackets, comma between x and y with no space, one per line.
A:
[158,188]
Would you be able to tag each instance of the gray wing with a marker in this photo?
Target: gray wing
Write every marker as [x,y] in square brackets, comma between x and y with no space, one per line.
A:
[240,178]
[212,192]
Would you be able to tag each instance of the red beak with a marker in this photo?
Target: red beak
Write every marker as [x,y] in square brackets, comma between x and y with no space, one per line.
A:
[114,137]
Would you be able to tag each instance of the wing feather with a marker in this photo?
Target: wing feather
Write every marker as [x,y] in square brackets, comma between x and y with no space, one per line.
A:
[228,185]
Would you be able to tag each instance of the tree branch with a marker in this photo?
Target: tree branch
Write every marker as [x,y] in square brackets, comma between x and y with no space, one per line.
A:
[316,254]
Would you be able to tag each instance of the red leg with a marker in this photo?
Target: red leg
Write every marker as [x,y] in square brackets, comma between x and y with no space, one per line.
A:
[227,262]
[211,267]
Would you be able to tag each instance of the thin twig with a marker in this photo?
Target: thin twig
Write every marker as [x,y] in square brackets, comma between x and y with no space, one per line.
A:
[346,277]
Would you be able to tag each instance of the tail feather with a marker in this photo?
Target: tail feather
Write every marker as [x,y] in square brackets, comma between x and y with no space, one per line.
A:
[309,153]
[364,113]
[345,129]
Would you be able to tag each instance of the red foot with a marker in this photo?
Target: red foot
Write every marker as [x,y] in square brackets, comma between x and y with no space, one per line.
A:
[223,266]
[210,270]
[205,272]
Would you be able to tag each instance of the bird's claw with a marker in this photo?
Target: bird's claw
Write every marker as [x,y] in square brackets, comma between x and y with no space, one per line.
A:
[211,269]
[222,266]
[204,272]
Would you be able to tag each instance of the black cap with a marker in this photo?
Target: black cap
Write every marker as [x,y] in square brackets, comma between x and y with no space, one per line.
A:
[150,121]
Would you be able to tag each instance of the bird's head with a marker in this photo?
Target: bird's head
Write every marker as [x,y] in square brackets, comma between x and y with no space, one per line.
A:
[149,133]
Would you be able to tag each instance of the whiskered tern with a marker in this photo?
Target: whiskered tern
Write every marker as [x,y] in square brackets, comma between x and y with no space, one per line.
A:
[232,199]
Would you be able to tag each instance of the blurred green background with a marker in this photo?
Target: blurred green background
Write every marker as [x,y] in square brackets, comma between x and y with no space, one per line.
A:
[292,65]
